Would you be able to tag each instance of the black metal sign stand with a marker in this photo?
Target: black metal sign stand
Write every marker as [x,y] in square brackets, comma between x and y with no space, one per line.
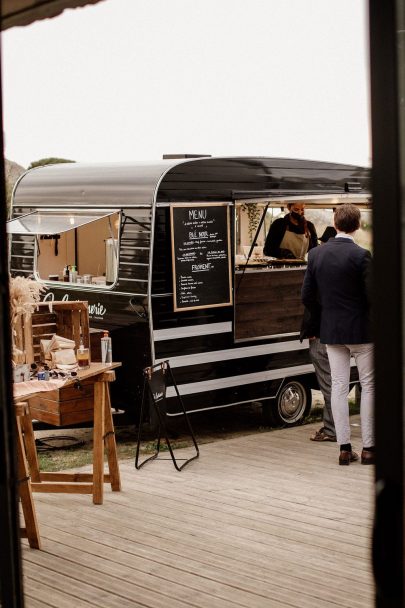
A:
[155,382]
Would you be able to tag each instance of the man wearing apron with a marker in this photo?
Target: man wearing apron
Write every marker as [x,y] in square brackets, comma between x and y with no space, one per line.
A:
[292,236]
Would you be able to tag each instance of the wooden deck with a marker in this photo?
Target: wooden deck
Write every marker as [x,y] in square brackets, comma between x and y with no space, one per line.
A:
[263,521]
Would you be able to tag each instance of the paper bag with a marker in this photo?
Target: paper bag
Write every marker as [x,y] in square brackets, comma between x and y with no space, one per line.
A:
[65,356]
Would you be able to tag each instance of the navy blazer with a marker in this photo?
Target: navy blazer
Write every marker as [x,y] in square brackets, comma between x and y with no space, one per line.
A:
[338,279]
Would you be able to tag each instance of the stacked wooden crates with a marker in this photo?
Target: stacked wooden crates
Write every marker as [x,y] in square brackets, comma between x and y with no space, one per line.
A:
[72,404]
[67,319]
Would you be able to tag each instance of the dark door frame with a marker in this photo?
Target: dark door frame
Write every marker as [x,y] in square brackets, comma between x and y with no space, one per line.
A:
[386,47]
[11,590]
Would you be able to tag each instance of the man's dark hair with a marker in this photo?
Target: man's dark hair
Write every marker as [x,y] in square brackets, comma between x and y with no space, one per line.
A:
[347,218]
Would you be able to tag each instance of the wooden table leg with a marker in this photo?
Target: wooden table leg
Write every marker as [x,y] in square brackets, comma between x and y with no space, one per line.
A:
[30,449]
[110,444]
[98,442]
[31,524]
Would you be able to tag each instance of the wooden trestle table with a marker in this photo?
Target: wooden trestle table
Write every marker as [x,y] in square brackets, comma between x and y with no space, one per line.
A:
[103,436]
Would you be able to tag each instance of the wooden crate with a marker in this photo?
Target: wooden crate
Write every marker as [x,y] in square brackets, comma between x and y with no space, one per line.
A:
[67,319]
[64,406]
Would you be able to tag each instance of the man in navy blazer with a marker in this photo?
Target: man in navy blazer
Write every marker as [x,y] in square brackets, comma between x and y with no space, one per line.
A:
[336,286]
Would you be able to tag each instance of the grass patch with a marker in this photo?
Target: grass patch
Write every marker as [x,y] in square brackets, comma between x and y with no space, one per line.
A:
[65,459]
[60,459]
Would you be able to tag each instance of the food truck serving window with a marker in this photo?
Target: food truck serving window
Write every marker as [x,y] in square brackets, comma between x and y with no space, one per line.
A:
[75,247]
[268,289]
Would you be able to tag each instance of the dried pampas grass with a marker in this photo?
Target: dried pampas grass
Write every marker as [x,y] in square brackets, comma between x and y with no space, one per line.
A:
[24,297]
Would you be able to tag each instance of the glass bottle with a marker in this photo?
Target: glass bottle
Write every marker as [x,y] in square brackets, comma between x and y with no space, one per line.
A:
[106,348]
[83,355]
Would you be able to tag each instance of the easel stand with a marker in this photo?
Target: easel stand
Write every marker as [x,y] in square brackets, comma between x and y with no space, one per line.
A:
[155,385]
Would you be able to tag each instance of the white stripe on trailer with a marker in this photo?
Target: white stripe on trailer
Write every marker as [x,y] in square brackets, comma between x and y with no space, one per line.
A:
[228,382]
[192,330]
[235,353]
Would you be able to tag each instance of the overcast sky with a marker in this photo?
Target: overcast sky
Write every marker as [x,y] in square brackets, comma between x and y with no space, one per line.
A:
[134,79]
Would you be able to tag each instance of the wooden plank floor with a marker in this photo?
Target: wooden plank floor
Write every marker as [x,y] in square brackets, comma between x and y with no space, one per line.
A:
[268,520]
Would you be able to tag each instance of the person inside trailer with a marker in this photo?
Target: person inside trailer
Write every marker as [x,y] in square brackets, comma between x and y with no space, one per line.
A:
[291,236]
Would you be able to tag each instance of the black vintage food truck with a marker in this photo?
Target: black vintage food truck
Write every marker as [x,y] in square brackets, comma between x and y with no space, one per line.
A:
[163,253]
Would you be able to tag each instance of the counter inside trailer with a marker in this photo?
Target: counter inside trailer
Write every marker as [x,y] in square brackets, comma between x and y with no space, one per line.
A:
[268,300]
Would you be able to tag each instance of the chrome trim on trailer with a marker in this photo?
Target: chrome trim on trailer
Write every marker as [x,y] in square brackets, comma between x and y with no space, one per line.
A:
[220,407]
[90,287]
[150,315]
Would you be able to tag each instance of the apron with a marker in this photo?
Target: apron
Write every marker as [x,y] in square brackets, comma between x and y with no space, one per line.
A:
[296,243]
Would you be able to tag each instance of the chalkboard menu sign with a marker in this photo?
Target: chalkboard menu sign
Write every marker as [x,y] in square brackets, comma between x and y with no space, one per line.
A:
[200,236]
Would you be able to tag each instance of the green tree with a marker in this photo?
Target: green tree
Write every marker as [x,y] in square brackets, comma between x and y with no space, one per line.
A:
[49,161]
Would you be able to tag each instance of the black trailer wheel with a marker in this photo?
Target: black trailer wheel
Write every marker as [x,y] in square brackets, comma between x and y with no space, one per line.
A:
[291,406]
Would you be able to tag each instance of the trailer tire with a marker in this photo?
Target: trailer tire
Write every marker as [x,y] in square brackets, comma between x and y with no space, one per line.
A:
[291,406]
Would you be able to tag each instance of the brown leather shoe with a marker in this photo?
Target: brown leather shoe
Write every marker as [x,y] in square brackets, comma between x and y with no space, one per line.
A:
[367,457]
[321,435]
[346,457]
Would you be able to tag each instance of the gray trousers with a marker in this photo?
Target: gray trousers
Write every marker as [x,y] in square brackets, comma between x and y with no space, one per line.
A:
[339,359]
[319,357]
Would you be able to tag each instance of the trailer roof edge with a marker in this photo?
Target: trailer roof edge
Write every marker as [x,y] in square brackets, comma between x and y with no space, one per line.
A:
[132,184]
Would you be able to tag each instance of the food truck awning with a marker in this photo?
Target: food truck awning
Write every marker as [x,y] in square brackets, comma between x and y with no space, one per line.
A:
[24,12]
[312,199]
[53,222]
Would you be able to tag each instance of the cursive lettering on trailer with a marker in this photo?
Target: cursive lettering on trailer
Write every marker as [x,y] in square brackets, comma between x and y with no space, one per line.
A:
[95,310]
